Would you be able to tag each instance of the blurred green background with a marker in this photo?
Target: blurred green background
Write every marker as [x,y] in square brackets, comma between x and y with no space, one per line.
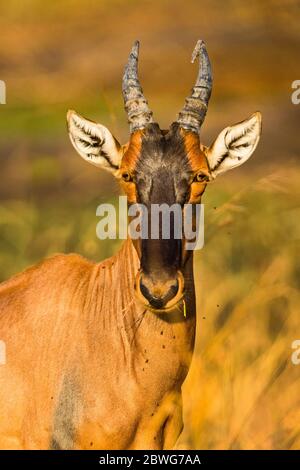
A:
[242,391]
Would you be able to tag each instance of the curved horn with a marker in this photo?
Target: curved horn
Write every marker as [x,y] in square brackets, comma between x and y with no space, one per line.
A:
[193,113]
[136,105]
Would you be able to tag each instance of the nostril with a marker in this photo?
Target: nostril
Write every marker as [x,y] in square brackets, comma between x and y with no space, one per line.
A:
[171,292]
[156,302]
[145,291]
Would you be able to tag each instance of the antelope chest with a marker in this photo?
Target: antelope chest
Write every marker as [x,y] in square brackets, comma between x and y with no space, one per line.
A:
[131,420]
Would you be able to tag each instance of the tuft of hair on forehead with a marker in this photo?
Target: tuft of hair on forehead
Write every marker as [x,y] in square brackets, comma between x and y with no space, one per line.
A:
[150,137]
[176,146]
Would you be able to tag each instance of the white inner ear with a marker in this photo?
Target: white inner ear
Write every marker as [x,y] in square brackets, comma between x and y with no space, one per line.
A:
[234,145]
[94,142]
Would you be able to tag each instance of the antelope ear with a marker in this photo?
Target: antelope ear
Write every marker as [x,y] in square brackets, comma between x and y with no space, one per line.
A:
[234,145]
[94,142]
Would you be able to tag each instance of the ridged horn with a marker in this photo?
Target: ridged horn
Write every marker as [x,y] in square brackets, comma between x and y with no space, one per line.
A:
[193,113]
[136,105]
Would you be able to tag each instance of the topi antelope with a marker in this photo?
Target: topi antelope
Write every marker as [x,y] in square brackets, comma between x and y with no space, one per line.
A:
[97,353]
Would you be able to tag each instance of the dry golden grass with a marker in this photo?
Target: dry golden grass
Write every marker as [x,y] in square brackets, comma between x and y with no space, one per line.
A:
[243,390]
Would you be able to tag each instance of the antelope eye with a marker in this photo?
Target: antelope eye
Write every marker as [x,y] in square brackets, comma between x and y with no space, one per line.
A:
[126,177]
[201,177]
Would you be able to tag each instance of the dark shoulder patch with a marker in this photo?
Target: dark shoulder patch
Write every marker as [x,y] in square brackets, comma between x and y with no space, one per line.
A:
[66,415]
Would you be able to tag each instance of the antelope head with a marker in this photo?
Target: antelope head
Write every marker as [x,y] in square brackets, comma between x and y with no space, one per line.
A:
[164,167]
